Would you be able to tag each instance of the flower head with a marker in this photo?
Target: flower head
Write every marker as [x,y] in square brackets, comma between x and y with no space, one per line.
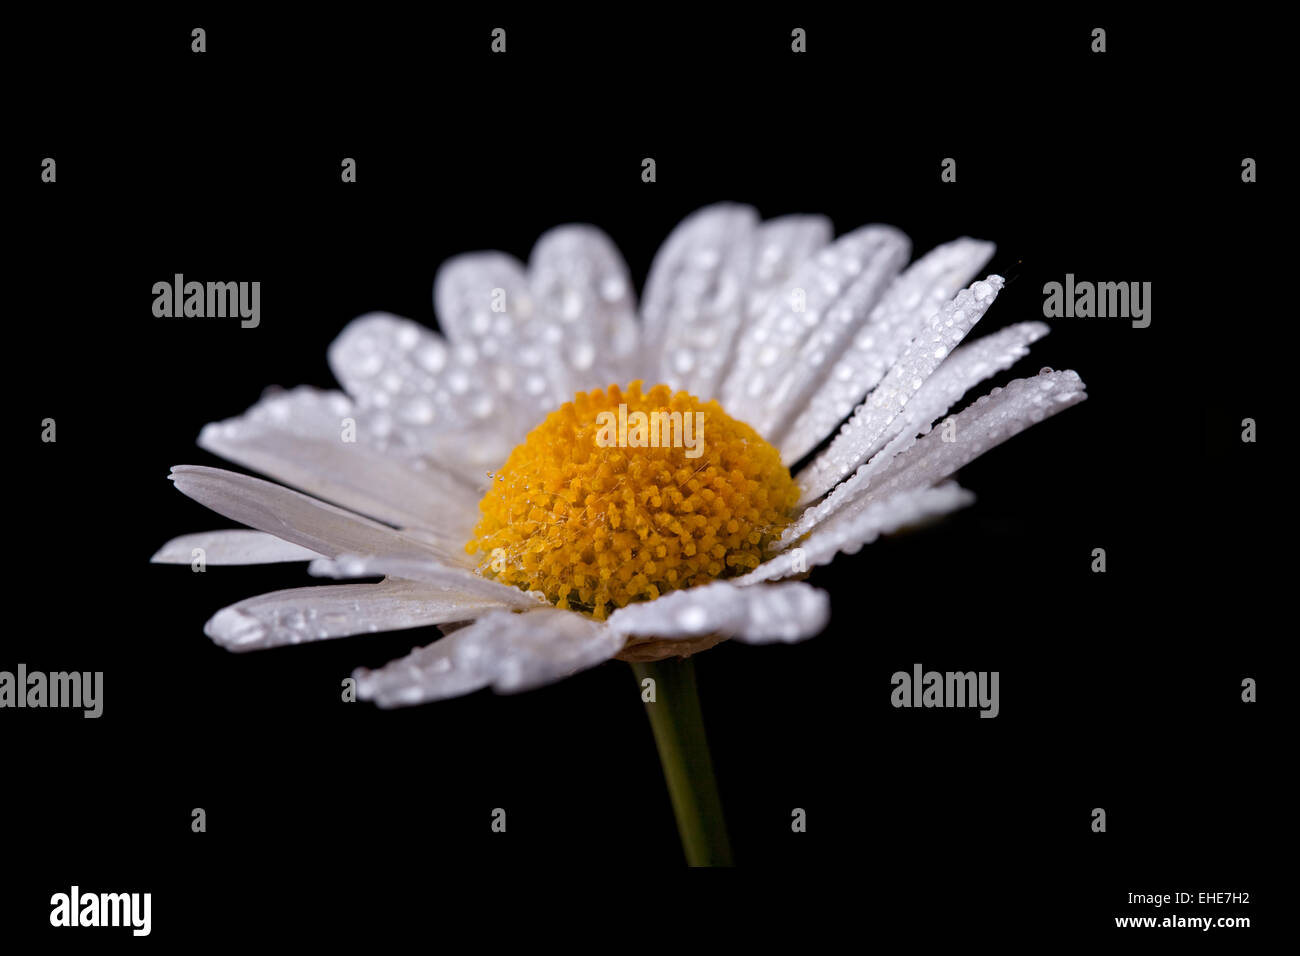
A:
[495,475]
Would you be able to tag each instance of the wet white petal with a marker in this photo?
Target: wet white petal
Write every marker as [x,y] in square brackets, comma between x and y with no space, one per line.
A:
[302,438]
[423,400]
[237,546]
[910,299]
[481,297]
[287,514]
[864,433]
[319,613]
[984,424]
[484,302]
[782,245]
[695,296]
[966,367]
[505,651]
[585,305]
[798,336]
[430,572]
[756,615]
[848,533]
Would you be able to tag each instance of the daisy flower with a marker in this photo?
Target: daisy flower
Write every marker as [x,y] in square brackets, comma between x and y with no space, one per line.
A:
[501,473]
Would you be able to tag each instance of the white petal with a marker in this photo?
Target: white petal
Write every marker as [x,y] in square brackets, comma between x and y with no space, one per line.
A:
[783,245]
[984,424]
[319,613]
[287,514]
[911,299]
[865,432]
[848,534]
[480,296]
[508,652]
[586,307]
[421,399]
[695,296]
[801,332]
[757,615]
[297,437]
[431,573]
[484,302]
[966,367]
[238,546]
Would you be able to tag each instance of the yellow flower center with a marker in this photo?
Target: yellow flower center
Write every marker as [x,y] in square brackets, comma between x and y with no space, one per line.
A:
[620,496]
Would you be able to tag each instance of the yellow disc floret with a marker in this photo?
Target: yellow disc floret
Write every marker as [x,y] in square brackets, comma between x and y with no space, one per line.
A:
[619,496]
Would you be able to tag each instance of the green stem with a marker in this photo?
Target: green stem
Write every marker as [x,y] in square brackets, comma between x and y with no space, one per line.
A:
[678,727]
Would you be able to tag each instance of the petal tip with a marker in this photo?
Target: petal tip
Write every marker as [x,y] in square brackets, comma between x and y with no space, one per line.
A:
[234,630]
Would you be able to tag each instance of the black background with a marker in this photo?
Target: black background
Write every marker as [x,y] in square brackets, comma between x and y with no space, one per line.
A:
[1119,690]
